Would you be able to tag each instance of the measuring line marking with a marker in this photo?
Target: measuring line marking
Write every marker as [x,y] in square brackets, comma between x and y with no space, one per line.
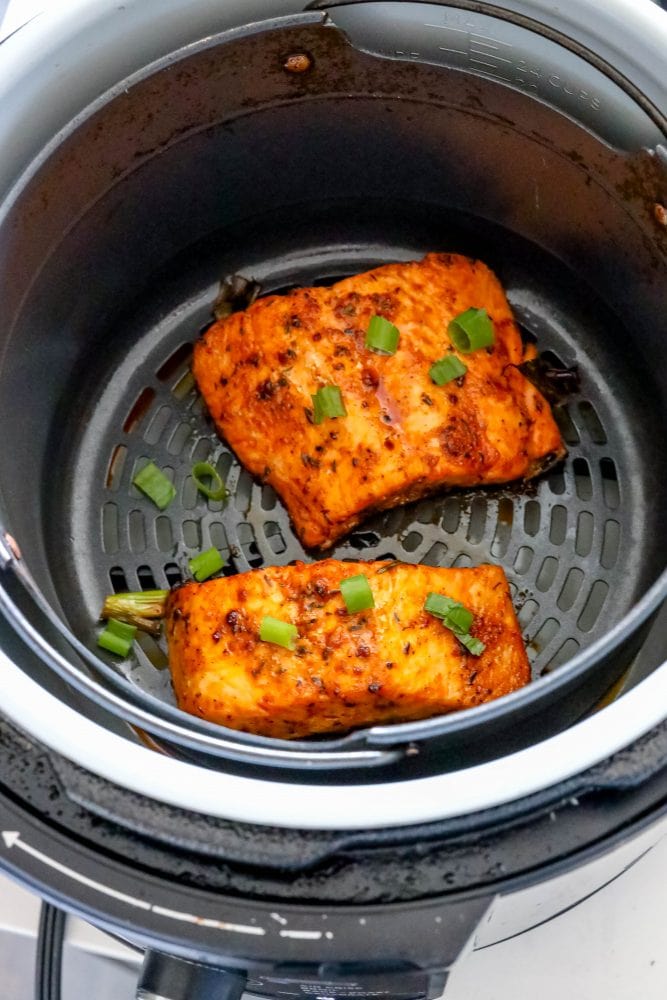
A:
[457,52]
[302,935]
[12,839]
[448,27]
[489,55]
[482,62]
[222,925]
[492,43]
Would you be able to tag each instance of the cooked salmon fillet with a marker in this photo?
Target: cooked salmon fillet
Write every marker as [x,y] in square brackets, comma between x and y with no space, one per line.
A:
[403,437]
[393,663]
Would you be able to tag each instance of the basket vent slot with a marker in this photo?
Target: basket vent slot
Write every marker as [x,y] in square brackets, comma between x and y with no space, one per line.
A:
[163,534]
[141,407]
[611,541]
[610,489]
[571,588]
[584,538]
[118,579]
[436,555]
[175,364]
[110,542]
[146,578]
[558,529]
[412,542]
[523,560]
[116,467]
[136,530]
[157,425]
[173,574]
[593,606]
[592,422]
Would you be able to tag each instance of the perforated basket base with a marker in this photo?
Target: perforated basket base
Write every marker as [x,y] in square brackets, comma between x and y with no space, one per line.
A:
[567,541]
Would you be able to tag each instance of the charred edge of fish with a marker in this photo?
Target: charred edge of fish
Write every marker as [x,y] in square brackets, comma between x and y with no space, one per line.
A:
[236,293]
[555,383]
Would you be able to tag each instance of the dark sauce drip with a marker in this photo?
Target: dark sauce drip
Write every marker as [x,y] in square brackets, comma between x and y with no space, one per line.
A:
[554,382]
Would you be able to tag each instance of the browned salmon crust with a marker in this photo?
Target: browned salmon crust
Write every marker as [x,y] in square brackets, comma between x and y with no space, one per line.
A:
[403,436]
[393,663]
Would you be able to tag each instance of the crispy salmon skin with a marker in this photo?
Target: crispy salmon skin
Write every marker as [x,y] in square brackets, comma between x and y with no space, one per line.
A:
[403,436]
[393,663]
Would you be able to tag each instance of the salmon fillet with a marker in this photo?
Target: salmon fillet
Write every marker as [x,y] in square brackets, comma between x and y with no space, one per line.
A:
[403,437]
[393,663]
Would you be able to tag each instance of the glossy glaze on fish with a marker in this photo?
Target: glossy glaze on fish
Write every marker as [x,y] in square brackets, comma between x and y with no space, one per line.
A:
[392,663]
[403,436]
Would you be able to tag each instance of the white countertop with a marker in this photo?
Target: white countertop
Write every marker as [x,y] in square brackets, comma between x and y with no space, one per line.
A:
[14,13]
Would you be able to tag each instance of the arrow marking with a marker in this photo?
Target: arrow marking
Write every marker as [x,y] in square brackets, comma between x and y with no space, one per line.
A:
[12,839]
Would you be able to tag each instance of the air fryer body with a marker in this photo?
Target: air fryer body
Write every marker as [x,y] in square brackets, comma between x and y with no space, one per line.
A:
[158,151]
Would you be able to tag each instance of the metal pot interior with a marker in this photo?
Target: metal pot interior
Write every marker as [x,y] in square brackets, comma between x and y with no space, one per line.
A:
[220,160]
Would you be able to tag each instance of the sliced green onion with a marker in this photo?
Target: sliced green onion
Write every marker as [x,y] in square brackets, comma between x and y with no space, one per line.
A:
[471,330]
[117,637]
[447,369]
[456,618]
[216,490]
[122,629]
[328,402]
[459,620]
[139,608]
[153,482]
[382,336]
[454,615]
[357,593]
[440,605]
[113,643]
[206,564]
[473,645]
[277,632]
[147,603]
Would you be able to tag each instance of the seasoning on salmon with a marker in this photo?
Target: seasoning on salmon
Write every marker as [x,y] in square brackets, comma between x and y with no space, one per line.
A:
[392,662]
[340,430]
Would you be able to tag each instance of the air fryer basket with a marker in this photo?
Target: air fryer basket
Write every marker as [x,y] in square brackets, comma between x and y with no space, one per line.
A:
[224,161]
